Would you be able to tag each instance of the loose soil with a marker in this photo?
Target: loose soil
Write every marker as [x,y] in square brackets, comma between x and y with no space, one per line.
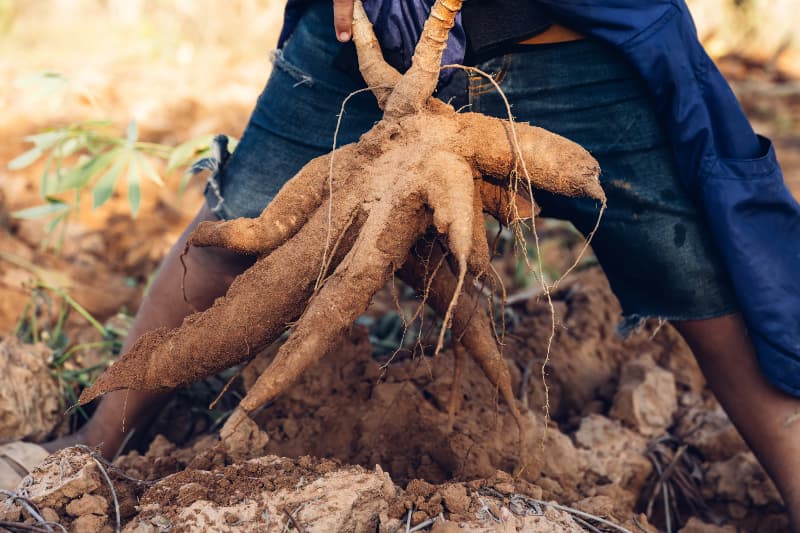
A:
[389,421]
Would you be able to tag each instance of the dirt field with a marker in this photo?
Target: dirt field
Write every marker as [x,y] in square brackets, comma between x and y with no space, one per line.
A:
[360,443]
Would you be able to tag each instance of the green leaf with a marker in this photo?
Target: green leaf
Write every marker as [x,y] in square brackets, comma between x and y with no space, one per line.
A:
[132,133]
[53,224]
[47,139]
[185,179]
[149,170]
[54,207]
[183,154]
[41,85]
[89,124]
[81,175]
[26,159]
[105,186]
[70,146]
[135,185]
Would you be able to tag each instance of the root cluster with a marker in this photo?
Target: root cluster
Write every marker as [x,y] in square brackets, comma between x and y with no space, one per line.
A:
[350,220]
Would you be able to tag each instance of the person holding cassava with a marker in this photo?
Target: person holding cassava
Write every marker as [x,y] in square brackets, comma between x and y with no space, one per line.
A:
[699,228]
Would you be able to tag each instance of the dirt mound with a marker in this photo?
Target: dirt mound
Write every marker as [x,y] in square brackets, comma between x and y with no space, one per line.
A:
[354,412]
[272,494]
[354,408]
[76,489]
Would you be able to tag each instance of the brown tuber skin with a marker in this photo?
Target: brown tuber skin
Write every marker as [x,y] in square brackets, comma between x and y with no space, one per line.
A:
[359,211]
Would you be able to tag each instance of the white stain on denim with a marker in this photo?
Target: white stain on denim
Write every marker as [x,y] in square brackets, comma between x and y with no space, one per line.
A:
[280,62]
[219,156]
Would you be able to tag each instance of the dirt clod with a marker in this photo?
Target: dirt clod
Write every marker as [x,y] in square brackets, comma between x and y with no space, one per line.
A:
[710,431]
[455,498]
[742,480]
[87,504]
[29,397]
[646,398]
[694,525]
[89,523]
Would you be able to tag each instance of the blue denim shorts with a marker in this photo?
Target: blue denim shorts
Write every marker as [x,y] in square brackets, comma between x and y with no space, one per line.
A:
[653,243]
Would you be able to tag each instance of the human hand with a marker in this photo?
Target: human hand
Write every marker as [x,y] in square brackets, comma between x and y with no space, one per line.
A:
[343,19]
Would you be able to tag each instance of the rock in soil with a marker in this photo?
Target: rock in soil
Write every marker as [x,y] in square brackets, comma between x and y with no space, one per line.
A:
[30,405]
[269,494]
[695,525]
[647,397]
[711,432]
[69,485]
[612,453]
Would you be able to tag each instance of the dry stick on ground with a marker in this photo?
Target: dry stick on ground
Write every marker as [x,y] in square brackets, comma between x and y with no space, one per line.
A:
[295,524]
[422,166]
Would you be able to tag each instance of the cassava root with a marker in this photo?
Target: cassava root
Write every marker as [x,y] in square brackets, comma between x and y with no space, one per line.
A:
[357,214]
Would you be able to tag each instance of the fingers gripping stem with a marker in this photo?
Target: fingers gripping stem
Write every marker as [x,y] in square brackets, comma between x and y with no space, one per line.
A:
[342,18]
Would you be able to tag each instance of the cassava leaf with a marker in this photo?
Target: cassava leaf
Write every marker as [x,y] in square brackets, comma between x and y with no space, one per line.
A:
[26,159]
[53,224]
[135,185]
[53,207]
[149,170]
[70,146]
[104,188]
[48,139]
[184,153]
[81,175]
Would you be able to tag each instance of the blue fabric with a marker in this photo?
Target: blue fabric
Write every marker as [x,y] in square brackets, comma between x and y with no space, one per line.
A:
[398,26]
[732,172]
[726,167]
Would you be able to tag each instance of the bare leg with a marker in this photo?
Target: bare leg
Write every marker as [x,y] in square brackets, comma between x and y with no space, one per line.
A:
[762,413]
[209,273]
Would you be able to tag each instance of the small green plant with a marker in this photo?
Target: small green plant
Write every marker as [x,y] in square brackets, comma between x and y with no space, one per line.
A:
[43,321]
[94,157]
